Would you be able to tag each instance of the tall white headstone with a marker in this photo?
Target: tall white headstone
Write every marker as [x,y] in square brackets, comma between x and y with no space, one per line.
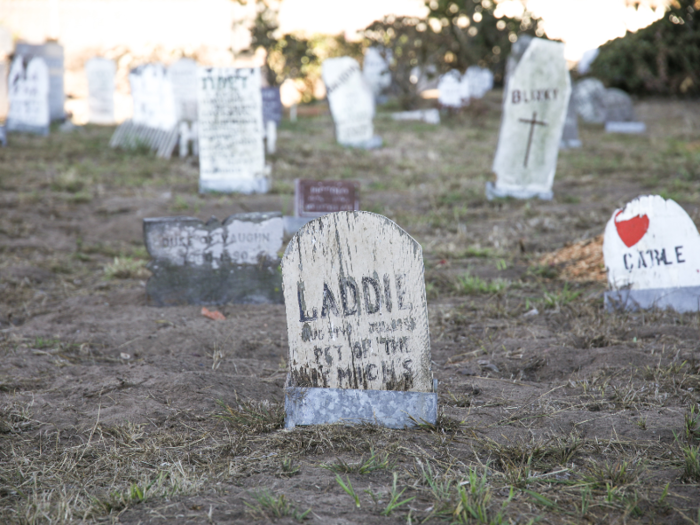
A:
[100,75]
[231,151]
[451,90]
[534,110]
[183,78]
[375,69]
[480,81]
[28,86]
[652,253]
[52,53]
[152,96]
[351,102]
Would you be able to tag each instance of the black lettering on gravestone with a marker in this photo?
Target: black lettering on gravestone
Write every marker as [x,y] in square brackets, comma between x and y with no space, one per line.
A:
[213,263]
[313,198]
[357,323]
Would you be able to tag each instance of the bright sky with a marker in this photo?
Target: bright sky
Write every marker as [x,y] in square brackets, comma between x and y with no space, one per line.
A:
[578,23]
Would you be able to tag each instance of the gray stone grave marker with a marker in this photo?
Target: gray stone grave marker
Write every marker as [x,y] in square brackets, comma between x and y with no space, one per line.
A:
[183,80]
[231,151]
[314,198]
[100,75]
[588,95]
[652,254]
[214,263]
[357,321]
[272,105]
[28,86]
[480,81]
[52,53]
[569,137]
[351,102]
[534,110]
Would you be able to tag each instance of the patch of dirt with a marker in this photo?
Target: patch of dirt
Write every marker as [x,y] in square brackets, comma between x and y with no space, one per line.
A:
[580,261]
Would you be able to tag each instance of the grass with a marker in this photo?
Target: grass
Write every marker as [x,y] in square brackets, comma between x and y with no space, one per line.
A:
[126,268]
[253,416]
[269,506]
[364,466]
[467,284]
[395,500]
[349,490]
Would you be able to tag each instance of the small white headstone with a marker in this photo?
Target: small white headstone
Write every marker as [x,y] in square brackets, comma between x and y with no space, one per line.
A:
[231,150]
[153,98]
[375,69]
[29,96]
[351,101]
[652,254]
[52,53]
[100,76]
[588,95]
[480,81]
[183,78]
[357,315]
[451,90]
[534,110]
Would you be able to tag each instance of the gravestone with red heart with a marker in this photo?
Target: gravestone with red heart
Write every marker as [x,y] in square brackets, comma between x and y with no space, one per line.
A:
[652,255]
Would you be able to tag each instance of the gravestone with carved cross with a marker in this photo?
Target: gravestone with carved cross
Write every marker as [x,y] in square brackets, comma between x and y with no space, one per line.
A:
[357,321]
[652,255]
[534,110]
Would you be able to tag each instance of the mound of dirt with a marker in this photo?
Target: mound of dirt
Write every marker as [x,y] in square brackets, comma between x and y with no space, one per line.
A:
[581,261]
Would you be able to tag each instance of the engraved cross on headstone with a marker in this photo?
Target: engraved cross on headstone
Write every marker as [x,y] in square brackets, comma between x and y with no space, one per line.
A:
[532,123]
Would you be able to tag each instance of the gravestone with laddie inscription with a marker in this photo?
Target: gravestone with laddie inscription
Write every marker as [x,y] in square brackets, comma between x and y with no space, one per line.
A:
[231,150]
[28,90]
[535,103]
[351,102]
[652,254]
[357,322]
[234,261]
[53,55]
[100,74]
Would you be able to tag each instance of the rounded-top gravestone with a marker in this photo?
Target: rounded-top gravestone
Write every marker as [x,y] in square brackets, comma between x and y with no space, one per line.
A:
[589,100]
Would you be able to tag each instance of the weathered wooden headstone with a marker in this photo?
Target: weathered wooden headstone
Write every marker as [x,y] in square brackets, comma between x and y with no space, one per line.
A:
[375,69]
[314,198]
[28,86]
[357,321]
[451,90]
[351,102]
[153,97]
[588,95]
[534,110]
[52,53]
[100,76]
[231,154]
[652,254]
[214,263]
[183,80]
[479,80]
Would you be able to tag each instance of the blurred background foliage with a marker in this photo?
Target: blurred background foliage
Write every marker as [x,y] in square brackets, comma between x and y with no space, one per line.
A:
[661,59]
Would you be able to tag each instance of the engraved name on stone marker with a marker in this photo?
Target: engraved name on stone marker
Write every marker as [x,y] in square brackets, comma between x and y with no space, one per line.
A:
[357,315]
[213,262]
[313,198]
[534,110]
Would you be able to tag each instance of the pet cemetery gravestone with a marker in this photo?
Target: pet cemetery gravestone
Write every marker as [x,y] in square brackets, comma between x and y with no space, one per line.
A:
[52,53]
[28,89]
[452,92]
[272,116]
[100,76]
[569,136]
[479,80]
[154,120]
[534,111]
[231,152]
[314,198]
[429,116]
[588,97]
[652,255]
[4,73]
[375,69]
[214,263]
[357,321]
[183,79]
[351,102]
[619,113]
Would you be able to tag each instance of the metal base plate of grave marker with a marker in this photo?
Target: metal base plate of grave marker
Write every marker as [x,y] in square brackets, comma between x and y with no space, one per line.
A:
[682,299]
[494,192]
[387,408]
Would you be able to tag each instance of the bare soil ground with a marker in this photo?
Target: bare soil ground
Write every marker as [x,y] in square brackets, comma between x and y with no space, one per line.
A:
[552,409]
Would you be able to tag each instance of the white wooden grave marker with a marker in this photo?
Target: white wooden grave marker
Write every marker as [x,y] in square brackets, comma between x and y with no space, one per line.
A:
[479,80]
[351,102]
[100,76]
[52,53]
[451,90]
[231,151]
[28,86]
[534,110]
[213,262]
[183,80]
[153,98]
[652,254]
[357,320]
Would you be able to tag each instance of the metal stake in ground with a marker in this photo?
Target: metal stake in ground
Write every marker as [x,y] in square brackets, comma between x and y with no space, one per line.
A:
[532,123]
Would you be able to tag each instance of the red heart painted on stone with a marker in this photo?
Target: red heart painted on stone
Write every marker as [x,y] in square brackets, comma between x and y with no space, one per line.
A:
[632,230]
